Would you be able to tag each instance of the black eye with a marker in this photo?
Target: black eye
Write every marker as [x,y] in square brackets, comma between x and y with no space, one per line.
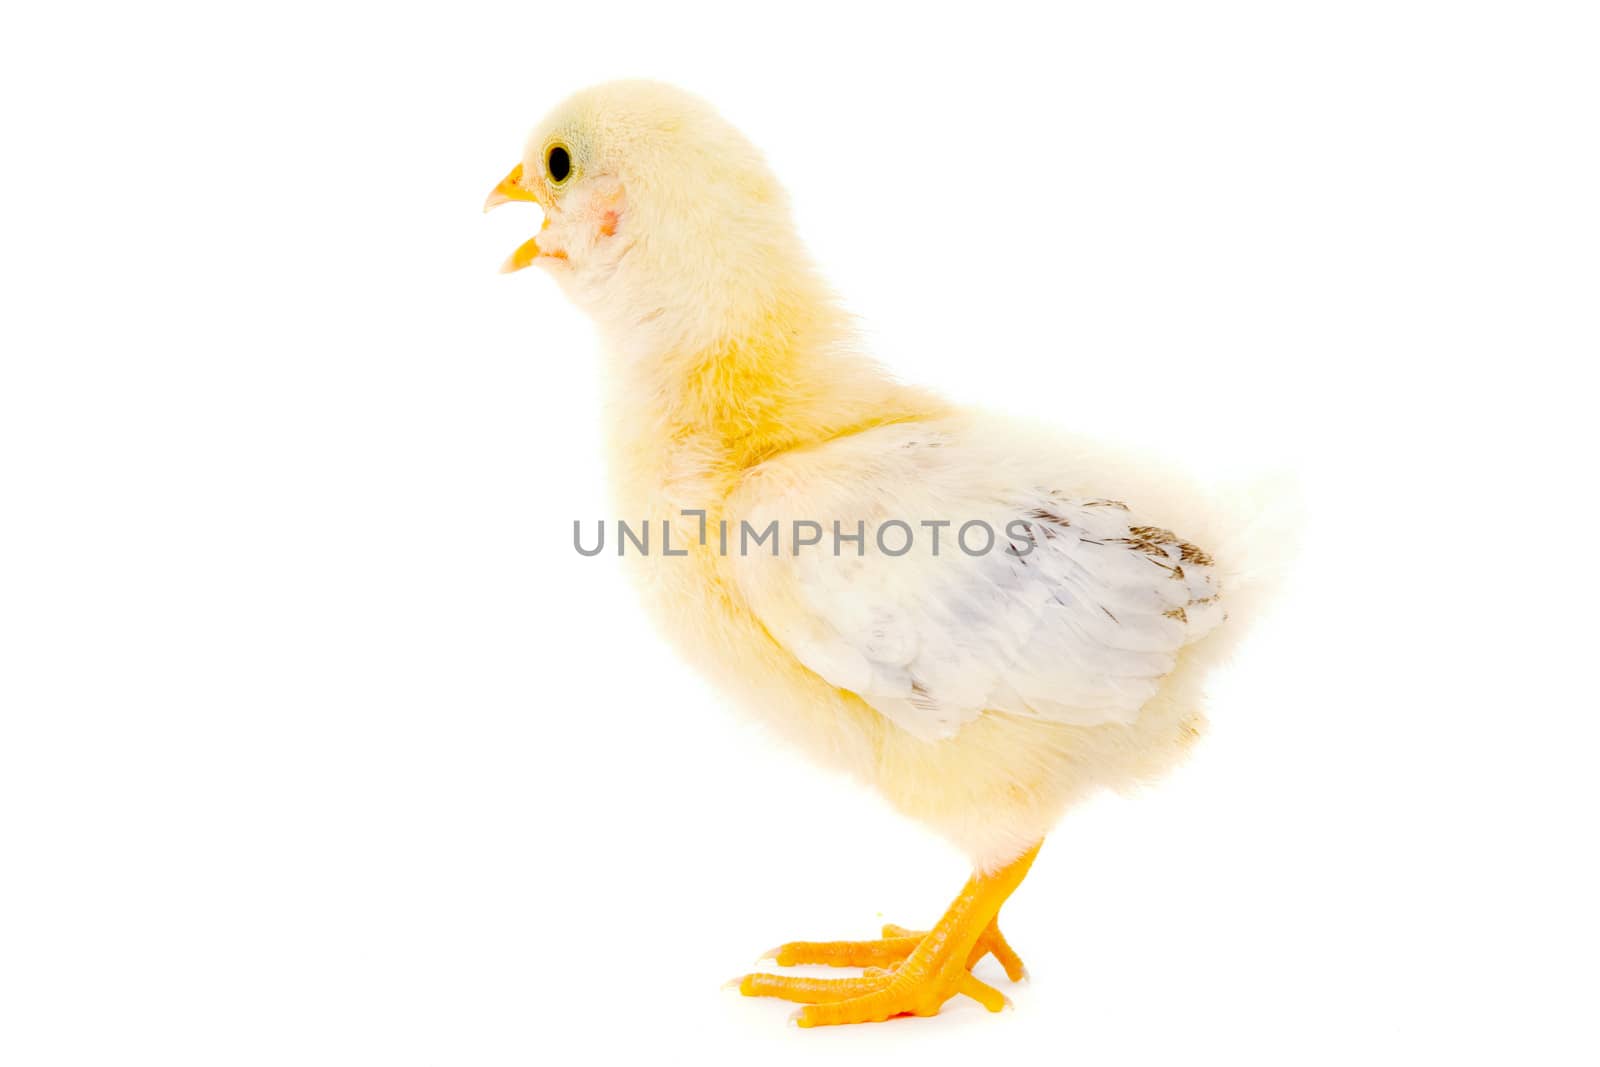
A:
[559,164]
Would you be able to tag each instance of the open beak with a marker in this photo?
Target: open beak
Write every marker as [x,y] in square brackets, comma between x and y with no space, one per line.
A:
[510,188]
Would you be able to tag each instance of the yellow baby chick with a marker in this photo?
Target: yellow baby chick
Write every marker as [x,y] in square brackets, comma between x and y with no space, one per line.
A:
[981,621]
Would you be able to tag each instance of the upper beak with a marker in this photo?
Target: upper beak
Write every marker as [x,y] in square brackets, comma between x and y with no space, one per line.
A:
[511,188]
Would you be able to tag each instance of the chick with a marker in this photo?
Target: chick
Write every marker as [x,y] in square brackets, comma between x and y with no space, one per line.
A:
[980,692]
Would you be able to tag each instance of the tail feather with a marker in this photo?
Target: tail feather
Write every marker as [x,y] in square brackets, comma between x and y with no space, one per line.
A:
[1259,525]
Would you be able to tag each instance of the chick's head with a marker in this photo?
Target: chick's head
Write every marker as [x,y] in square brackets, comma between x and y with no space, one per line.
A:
[659,215]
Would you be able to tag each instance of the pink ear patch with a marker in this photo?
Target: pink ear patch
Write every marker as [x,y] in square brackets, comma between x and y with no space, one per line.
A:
[607,207]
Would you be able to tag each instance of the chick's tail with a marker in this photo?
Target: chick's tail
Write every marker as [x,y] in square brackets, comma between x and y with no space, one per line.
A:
[1257,536]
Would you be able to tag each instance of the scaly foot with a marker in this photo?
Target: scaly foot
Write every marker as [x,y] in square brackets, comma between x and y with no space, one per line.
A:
[896,944]
[842,1000]
[908,973]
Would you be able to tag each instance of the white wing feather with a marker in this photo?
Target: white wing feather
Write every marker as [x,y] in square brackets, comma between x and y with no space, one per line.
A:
[1079,627]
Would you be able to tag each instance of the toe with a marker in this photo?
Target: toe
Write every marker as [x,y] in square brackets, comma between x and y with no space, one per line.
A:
[983,993]
[807,990]
[871,1008]
[844,953]
[994,941]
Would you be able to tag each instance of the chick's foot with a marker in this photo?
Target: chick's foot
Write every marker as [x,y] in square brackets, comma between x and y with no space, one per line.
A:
[908,973]
[896,944]
[875,984]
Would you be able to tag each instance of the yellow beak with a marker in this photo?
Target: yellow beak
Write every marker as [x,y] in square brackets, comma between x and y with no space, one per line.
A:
[526,253]
[510,188]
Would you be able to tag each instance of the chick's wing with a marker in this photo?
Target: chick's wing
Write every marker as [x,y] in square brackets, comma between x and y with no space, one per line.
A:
[1074,612]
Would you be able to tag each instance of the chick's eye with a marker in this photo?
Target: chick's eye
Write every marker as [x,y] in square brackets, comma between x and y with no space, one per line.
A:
[559,163]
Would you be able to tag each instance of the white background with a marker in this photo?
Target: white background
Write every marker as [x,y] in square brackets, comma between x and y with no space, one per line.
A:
[320,745]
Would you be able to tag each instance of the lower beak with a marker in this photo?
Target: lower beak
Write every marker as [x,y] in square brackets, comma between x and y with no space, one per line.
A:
[526,253]
[511,188]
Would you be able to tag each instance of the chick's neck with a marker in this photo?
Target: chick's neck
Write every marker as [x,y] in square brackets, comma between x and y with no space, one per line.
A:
[788,377]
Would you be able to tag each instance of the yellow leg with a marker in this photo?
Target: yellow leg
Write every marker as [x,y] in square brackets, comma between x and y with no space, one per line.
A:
[934,967]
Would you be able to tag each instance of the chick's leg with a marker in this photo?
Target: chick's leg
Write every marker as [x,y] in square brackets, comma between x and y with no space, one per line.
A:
[934,967]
